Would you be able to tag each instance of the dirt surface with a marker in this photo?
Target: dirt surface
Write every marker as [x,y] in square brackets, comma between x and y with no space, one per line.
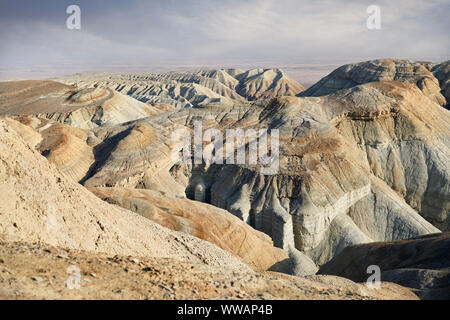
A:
[34,271]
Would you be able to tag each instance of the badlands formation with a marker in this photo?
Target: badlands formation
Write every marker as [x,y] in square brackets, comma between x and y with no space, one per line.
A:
[363,163]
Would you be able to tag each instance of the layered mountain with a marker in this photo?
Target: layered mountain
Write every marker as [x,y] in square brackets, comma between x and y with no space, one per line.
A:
[428,77]
[442,72]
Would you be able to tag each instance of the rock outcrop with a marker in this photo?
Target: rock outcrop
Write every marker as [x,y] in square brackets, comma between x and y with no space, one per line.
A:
[50,221]
[258,84]
[422,264]
[65,146]
[442,72]
[354,74]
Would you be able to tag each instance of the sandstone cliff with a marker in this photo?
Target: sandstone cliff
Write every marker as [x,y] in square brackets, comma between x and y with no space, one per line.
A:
[50,221]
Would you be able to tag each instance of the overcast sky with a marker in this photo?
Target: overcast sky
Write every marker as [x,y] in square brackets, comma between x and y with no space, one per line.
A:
[136,33]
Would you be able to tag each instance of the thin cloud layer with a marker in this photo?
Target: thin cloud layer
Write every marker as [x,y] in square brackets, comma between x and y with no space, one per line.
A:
[136,33]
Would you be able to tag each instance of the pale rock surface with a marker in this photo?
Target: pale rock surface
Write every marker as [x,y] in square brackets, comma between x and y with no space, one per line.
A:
[442,72]
[258,84]
[70,226]
[361,164]
[65,146]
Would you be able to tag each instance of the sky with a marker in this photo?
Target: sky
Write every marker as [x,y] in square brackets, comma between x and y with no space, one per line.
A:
[150,34]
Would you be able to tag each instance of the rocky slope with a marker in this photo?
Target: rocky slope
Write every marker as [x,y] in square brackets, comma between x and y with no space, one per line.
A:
[341,168]
[38,203]
[200,220]
[258,84]
[359,165]
[350,75]
[363,156]
[442,72]
[422,264]
[65,146]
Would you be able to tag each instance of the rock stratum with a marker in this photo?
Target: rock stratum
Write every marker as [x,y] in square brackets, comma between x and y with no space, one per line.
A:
[363,156]
[82,108]
[430,78]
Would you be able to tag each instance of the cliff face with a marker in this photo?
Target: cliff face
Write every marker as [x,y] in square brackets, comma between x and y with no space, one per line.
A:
[81,108]
[408,150]
[442,72]
[48,220]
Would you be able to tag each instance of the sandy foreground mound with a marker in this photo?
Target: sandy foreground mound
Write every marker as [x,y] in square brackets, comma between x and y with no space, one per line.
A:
[42,272]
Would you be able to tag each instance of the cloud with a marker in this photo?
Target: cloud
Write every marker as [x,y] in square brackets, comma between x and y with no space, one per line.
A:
[142,32]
